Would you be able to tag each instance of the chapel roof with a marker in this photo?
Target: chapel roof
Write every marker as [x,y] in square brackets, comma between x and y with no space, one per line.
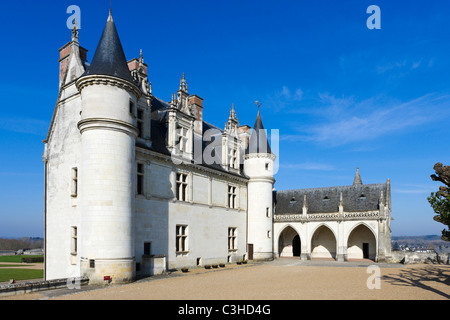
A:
[355,198]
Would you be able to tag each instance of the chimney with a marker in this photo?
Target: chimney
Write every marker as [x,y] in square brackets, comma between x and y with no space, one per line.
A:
[196,104]
[133,65]
[64,57]
[244,135]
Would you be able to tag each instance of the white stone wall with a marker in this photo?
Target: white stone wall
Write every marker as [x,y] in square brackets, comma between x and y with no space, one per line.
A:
[205,213]
[62,153]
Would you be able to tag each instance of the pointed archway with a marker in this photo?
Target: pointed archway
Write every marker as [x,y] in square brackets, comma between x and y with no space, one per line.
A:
[361,243]
[289,244]
[323,243]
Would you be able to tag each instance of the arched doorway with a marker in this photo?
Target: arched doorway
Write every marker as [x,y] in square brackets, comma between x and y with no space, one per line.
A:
[289,244]
[361,243]
[323,243]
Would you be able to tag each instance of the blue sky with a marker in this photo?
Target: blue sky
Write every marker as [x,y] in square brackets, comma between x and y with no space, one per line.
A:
[342,96]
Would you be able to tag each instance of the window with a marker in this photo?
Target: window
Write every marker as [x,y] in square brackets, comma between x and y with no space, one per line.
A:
[232,197]
[267,167]
[182,139]
[140,179]
[181,240]
[92,264]
[232,237]
[269,234]
[147,247]
[140,122]
[233,160]
[74,242]
[268,212]
[74,190]
[132,107]
[182,185]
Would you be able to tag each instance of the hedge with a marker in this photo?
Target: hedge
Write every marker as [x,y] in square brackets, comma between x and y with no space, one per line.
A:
[32,259]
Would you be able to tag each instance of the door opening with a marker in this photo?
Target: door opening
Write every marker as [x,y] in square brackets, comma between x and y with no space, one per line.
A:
[365,250]
[296,246]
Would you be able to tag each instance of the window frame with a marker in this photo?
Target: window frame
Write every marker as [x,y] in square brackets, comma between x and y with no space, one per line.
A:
[232,239]
[182,186]
[232,197]
[181,239]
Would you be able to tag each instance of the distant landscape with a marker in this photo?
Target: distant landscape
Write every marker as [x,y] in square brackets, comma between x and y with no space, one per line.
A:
[14,244]
[408,243]
[418,243]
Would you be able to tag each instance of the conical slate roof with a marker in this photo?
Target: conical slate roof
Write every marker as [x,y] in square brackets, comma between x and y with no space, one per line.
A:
[109,58]
[258,140]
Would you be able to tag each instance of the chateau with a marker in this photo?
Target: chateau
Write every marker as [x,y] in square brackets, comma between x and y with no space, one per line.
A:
[134,183]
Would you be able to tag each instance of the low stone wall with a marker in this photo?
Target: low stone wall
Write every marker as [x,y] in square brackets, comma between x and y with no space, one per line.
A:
[35,286]
[406,257]
[153,265]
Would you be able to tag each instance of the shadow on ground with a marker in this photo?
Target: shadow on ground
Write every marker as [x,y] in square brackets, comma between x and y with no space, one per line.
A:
[426,278]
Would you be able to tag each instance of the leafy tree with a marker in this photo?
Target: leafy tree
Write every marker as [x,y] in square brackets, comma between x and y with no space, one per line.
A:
[440,201]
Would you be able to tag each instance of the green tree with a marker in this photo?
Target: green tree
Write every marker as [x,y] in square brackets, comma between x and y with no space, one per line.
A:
[440,200]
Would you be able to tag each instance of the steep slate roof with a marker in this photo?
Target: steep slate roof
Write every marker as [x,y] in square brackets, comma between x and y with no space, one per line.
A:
[258,140]
[109,58]
[326,200]
[159,131]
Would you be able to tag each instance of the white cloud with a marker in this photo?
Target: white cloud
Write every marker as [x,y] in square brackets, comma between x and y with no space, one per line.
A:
[345,121]
[308,166]
[24,125]
[285,99]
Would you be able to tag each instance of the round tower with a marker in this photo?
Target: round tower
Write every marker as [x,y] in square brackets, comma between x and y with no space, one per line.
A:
[106,175]
[259,168]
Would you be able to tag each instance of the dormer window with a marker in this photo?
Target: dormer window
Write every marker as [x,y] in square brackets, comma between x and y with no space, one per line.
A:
[326,198]
[182,139]
[233,160]
[362,197]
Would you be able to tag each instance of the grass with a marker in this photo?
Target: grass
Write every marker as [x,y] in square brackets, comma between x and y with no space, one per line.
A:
[15,259]
[20,274]
[14,271]
[12,265]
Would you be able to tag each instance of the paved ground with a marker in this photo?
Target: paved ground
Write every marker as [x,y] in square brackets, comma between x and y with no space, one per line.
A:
[282,279]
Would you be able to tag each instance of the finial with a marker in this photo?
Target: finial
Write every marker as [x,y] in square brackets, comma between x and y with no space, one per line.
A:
[141,59]
[357,180]
[233,115]
[183,84]
[75,30]
[110,18]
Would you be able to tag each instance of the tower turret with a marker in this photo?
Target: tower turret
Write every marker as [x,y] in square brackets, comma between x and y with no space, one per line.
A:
[259,167]
[108,130]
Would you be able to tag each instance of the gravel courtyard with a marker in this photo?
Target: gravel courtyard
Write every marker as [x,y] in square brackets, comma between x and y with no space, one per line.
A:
[282,279]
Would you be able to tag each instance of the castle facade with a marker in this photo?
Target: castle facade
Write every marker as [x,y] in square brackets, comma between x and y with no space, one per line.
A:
[131,179]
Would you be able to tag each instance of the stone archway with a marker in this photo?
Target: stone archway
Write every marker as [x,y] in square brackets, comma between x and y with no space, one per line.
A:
[289,244]
[323,243]
[361,243]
